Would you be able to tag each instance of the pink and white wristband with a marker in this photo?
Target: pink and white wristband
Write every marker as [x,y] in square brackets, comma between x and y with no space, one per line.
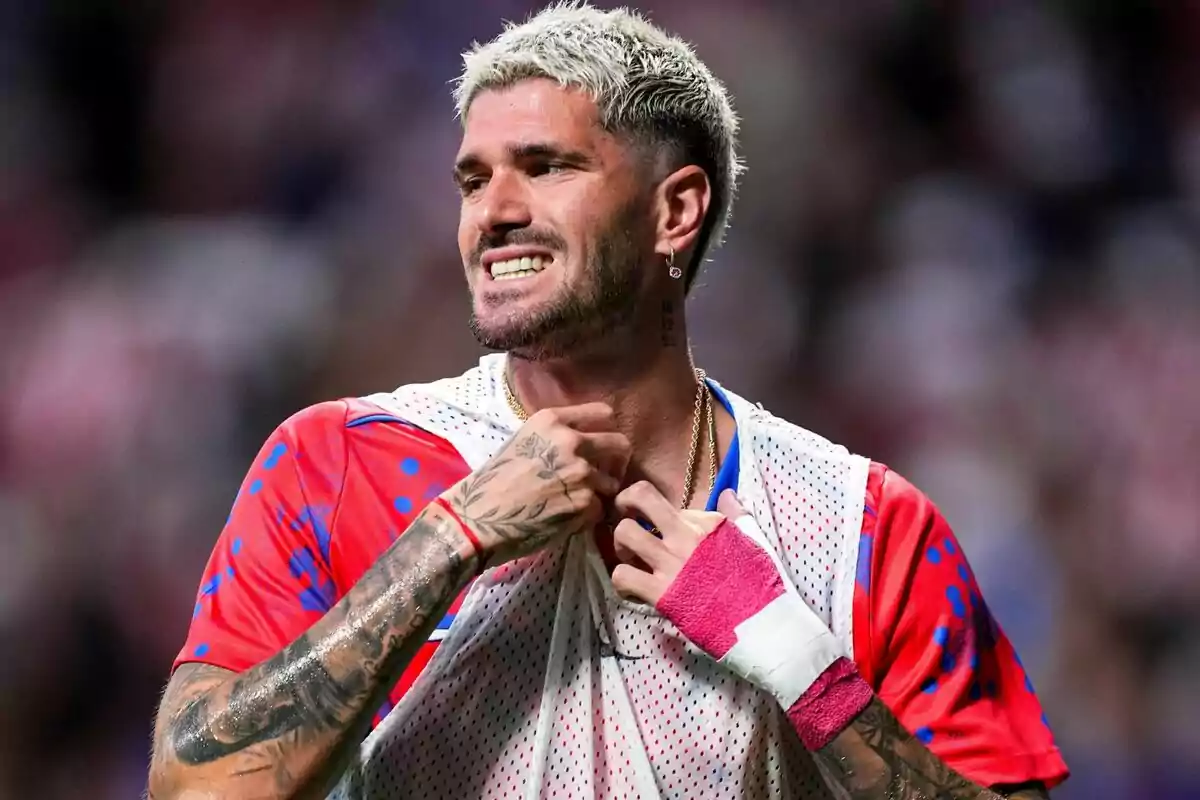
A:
[731,599]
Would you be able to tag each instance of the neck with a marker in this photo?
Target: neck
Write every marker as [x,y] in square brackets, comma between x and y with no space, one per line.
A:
[645,388]
[651,389]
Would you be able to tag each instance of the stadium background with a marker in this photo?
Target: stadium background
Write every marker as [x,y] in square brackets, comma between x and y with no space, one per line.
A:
[966,245]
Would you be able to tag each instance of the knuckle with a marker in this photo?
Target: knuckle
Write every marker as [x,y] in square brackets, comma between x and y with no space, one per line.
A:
[568,438]
[640,490]
[546,417]
[584,499]
[621,578]
[575,471]
[626,531]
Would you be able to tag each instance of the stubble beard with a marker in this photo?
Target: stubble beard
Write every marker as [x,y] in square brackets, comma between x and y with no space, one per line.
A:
[574,321]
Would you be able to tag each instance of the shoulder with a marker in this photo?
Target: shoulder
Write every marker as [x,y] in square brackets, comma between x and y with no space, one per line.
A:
[773,436]
[323,422]
[334,424]
[890,493]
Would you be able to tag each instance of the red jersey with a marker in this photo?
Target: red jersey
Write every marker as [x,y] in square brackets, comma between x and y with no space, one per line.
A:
[335,485]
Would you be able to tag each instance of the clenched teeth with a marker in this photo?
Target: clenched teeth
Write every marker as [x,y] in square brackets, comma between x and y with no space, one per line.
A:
[518,267]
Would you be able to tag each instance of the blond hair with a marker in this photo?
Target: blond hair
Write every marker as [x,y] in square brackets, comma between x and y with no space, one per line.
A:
[647,84]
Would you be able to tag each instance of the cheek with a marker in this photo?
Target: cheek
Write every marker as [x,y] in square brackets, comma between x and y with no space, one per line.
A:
[464,234]
[468,240]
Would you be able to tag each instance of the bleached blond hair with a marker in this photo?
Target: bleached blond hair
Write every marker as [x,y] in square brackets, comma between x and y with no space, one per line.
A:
[647,85]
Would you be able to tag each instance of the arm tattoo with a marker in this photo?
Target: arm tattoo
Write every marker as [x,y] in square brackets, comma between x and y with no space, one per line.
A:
[877,759]
[287,723]
[534,523]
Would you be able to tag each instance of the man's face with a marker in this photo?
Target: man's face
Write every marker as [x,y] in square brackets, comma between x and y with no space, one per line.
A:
[554,223]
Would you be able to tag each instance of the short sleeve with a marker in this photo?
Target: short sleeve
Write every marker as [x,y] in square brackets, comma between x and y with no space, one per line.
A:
[926,641]
[267,580]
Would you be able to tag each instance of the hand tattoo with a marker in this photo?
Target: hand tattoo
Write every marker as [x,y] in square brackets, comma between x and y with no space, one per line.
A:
[536,448]
[530,523]
[877,759]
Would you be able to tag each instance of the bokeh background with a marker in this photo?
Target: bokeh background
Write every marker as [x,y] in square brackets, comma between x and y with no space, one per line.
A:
[967,237]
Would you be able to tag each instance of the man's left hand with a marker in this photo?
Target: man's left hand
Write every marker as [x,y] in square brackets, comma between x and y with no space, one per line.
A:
[651,562]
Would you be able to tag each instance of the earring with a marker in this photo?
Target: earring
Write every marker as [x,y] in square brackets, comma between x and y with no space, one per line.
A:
[672,270]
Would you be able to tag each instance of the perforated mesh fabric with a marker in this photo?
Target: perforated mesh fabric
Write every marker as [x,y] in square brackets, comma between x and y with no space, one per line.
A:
[550,686]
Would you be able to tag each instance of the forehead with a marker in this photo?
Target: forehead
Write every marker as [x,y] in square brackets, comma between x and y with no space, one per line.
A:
[534,111]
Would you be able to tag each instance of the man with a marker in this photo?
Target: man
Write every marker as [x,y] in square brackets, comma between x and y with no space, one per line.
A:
[512,574]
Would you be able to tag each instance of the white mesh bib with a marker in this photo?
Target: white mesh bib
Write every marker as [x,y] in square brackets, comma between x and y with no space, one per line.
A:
[550,686]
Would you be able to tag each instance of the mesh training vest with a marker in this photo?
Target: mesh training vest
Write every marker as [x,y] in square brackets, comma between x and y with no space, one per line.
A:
[550,686]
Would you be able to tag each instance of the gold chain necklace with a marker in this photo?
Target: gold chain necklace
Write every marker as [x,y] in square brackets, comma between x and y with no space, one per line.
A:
[703,412]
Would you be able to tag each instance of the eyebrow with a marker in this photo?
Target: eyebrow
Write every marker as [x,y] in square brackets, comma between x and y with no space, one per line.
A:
[533,151]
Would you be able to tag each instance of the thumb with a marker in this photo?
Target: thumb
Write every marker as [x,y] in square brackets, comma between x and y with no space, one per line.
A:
[728,505]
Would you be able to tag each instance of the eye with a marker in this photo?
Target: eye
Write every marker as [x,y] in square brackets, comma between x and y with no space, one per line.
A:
[549,168]
[471,184]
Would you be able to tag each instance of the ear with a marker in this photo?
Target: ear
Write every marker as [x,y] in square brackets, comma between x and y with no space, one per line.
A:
[682,201]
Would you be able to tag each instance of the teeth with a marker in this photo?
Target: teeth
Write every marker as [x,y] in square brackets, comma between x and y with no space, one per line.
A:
[519,267]
[521,273]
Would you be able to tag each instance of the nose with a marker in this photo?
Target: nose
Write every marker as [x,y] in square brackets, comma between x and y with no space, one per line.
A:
[505,204]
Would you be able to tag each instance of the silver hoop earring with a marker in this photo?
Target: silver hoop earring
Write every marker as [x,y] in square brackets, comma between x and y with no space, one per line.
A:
[672,270]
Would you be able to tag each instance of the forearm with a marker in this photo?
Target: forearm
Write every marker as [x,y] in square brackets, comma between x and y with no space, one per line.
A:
[285,727]
[731,598]
[875,758]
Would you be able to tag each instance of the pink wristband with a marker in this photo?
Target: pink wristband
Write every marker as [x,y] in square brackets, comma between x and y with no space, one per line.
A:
[830,704]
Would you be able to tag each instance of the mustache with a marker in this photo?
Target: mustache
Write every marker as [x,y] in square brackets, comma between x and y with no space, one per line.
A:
[523,236]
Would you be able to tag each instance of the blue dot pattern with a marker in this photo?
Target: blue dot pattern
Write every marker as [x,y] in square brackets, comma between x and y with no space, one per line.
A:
[968,632]
[308,565]
[223,574]
[941,635]
[314,518]
[277,452]
[965,674]
[954,595]
[319,594]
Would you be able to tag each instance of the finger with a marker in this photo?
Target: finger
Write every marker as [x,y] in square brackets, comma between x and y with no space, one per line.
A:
[610,452]
[643,500]
[705,522]
[590,515]
[585,417]
[729,505]
[603,484]
[634,584]
[630,537]
[627,556]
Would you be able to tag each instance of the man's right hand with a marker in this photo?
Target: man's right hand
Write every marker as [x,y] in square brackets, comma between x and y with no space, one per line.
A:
[550,481]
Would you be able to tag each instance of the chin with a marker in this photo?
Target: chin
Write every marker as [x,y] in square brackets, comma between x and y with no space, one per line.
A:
[532,338]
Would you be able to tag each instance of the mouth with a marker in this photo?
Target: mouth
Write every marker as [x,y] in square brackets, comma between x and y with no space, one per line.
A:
[513,269]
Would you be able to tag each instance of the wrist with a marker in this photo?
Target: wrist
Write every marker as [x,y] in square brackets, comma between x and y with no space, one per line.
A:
[829,705]
[465,541]
[732,599]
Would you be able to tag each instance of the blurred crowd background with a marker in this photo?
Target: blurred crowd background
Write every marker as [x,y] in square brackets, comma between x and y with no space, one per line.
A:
[967,239]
